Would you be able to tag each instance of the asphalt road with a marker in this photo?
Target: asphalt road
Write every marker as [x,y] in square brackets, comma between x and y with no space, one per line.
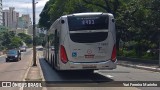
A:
[14,71]
[97,80]
[2,58]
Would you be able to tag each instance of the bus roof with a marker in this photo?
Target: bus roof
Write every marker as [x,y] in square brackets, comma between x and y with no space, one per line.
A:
[87,13]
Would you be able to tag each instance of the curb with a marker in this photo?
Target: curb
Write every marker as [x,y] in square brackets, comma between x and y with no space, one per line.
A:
[26,73]
[141,67]
[138,60]
[41,73]
[33,73]
[40,69]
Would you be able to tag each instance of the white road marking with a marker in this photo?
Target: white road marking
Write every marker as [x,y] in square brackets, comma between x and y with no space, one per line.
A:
[109,76]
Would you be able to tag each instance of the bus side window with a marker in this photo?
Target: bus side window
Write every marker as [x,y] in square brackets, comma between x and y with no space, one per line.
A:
[51,39]
[55,38]
[56,41]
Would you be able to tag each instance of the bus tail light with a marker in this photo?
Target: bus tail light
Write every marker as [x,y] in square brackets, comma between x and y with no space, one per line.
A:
[113,57]
[63,54]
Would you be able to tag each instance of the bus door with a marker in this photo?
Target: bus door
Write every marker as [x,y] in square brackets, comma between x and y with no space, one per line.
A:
[56,46]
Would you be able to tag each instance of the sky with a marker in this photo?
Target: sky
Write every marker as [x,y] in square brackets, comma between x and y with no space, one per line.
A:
[25,6]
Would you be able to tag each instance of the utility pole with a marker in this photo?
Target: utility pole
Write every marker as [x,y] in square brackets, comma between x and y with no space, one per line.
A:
[159,48]
[159,52]
[34,29]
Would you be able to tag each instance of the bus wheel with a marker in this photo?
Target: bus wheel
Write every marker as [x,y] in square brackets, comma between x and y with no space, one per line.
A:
[53,63]
[51,60]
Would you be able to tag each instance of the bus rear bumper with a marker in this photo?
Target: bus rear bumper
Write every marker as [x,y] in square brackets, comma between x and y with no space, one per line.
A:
[89,66]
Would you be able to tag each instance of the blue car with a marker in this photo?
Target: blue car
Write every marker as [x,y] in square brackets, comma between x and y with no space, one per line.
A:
[13,55]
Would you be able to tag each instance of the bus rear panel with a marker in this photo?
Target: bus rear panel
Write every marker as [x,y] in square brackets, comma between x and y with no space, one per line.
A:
[87,41]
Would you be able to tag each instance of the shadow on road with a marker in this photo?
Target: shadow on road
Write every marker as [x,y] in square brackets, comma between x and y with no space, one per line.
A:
[70,77]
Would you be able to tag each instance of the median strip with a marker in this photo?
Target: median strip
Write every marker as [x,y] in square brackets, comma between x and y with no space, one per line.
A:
[33,74]
[140,67]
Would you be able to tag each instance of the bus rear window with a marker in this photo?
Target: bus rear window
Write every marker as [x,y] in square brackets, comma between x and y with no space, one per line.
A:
[89,37]
[88,22]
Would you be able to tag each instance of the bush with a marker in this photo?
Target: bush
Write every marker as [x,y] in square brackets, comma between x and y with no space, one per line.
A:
[149,56]
[130,53]
[133,54]
[127,53]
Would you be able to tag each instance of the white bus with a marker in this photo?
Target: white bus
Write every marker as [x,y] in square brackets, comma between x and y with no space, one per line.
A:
[82,41]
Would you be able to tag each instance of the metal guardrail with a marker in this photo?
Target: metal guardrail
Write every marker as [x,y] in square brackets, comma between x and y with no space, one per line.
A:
[138,60]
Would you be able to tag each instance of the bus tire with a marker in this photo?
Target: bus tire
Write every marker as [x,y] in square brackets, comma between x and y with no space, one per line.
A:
[51,60]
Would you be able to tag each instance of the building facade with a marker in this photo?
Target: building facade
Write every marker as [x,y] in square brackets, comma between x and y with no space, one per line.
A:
[1,21]
[27,20]
[30,31]
[5,18]
[24,21]
[10,18]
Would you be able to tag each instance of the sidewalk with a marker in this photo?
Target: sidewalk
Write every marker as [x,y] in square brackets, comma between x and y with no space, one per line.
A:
[2,53]
[34,74]
[150,67]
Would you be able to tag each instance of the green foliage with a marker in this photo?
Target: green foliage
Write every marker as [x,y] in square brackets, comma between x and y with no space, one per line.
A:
[39,39]
[8,40]
[44,20]
[137,21]
[15,42]
[127,53]
[147,56]
[26,38]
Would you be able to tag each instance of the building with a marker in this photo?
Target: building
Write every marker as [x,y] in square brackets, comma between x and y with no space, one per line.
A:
[1,21]
[24,24]
[24,21]
[5,18]
[10,18]
[15,23]
[30,31]
[20,22]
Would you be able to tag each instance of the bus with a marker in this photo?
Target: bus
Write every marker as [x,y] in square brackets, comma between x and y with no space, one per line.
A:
[82,41]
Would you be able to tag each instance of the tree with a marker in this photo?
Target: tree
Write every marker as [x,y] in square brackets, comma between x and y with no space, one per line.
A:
[44,21]
[136,20]
[56,8]
[15,42]
[10,41]
[110,6]
[40,38]
[26,38]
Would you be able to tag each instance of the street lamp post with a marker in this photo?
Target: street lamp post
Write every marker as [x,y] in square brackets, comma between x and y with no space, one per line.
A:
[159,46]
[34,29]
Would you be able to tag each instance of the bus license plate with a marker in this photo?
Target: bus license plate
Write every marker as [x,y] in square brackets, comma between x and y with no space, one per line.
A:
[89,66]
[89,56]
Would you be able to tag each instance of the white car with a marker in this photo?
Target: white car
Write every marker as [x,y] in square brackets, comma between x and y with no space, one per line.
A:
[22,49]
